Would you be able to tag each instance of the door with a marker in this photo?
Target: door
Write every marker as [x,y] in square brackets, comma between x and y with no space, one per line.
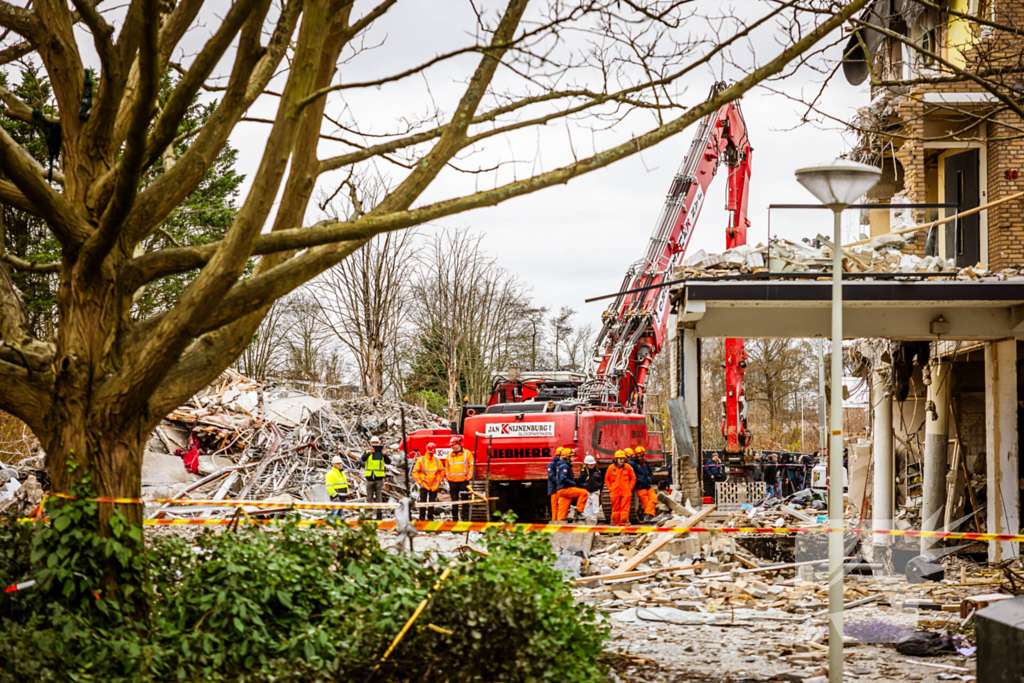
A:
[963,236]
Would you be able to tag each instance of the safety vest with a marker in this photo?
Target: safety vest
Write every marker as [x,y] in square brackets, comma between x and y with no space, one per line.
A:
[460,465]
[337,483]
[374,466]
[428,472]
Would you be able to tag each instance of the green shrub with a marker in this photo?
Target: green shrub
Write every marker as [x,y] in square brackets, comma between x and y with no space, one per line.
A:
[287,604]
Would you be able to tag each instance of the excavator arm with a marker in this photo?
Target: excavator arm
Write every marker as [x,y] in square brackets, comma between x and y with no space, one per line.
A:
[634,325]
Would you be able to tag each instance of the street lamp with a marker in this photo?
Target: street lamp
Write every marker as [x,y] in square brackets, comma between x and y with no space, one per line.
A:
[837,185]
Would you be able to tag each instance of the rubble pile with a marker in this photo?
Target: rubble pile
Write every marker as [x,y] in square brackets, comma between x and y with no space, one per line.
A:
[267,442]
[880,255]
[773,615]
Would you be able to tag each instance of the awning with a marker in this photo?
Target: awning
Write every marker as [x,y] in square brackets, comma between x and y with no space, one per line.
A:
[902,310]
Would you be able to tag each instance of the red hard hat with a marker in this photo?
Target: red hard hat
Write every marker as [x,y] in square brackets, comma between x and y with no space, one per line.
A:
[431,447]
[456,439]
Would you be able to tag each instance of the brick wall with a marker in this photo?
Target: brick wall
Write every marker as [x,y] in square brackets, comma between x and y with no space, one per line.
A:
[1005,153]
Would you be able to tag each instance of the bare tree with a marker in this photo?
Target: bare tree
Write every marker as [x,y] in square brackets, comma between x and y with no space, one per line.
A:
[262,356]
[561,328]
[465,309]
[363,301]
[533,333]
[94,393]
[777,369]
[579,344]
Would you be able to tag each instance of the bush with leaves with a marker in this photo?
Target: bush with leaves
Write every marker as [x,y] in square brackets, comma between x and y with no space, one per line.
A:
[283,603]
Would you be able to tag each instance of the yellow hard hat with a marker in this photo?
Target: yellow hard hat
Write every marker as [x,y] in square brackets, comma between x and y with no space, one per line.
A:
[568,450]
[558,451]
[640,450]
[620,454]
[629,452]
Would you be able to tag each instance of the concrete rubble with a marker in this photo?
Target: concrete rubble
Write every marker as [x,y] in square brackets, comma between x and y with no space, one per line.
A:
[258,441]
[767,620]
[883,254]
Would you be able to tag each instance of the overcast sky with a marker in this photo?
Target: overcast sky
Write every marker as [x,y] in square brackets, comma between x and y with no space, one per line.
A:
[572,242]
[576,241]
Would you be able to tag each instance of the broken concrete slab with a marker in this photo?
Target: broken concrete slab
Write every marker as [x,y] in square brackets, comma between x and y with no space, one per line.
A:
[162,469]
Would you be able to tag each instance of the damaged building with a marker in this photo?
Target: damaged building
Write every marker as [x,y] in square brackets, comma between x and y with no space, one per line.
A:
[933,289]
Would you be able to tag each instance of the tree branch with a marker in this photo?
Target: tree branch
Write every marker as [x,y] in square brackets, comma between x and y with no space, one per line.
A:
[253,68]
[15,52]
[13,197]
[148,362]
[341,238]
[21,21]
[166,126]
[129,168]
[26,173]
[30,266]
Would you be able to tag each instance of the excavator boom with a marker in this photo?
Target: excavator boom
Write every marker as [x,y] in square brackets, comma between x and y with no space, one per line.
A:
[634,325]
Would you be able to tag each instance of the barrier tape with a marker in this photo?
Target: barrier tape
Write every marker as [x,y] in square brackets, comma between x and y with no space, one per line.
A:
[268,504]
[461,527]
[118,501]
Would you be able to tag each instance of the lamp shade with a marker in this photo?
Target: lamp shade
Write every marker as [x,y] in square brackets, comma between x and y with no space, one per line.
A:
[838,183]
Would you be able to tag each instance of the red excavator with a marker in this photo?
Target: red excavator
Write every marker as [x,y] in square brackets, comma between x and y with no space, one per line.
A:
[530,413]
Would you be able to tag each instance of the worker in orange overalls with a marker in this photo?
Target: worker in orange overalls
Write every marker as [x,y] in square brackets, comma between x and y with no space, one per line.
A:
[567,489]
[644,488]
[553,482]
[620,480]
[429,472]
[460,473]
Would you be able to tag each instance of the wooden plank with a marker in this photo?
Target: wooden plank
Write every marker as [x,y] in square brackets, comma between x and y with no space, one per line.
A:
[635,575]
[661,540]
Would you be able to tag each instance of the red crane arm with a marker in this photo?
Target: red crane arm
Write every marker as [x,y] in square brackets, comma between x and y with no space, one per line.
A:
[635,324]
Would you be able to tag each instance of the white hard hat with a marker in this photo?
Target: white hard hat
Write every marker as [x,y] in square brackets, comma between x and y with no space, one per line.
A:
[590,460]
[336,460]
[375,440]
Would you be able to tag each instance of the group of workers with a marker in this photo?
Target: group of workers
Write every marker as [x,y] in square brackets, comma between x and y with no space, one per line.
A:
[435,467]
[629,473]
[784,474]
[429,470]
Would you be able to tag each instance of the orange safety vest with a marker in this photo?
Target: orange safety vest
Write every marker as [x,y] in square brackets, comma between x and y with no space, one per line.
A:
[428,472]
[460,465]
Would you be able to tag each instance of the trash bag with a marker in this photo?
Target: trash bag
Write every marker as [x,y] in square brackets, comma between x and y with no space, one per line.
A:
[925,568]
[924,644]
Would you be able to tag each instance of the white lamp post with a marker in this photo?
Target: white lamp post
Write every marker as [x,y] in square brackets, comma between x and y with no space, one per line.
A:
[837,185]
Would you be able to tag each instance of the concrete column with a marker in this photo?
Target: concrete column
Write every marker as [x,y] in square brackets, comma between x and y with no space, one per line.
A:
[1001,447]
[882,509]
[936,443]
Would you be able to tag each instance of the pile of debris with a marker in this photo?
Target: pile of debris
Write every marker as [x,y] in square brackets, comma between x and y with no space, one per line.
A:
[267,442]
[883,254]
[773,614]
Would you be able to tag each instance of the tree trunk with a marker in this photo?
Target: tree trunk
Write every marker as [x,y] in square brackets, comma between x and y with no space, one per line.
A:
[84,458]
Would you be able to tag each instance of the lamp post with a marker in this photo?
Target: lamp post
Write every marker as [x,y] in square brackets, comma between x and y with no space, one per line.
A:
[837,185]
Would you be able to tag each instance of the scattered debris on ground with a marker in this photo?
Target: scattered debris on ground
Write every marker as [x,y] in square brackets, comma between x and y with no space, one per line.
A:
[768,620]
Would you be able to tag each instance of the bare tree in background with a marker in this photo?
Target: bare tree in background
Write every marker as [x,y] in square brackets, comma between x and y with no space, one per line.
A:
[777,369]
[579,345]
[262,356]
[363,300]
[532,333]
[561,328]
[495,308]
[465,309]
[94,393]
